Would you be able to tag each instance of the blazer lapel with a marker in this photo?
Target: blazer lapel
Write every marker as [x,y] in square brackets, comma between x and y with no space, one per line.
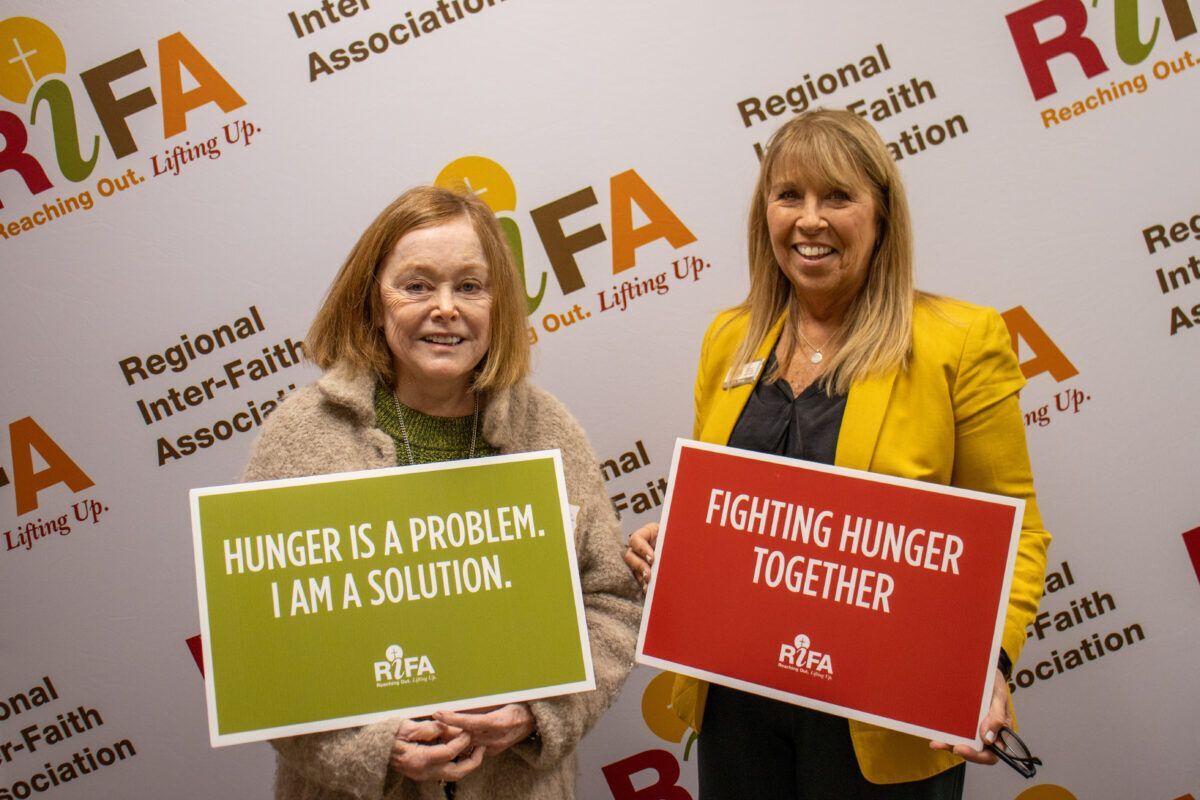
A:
[861,423]
[729,404]
[865,407]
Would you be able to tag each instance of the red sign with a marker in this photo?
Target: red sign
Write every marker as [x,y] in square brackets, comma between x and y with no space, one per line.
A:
[876,598]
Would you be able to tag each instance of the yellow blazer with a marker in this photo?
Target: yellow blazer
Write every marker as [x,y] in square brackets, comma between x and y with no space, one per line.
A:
[950,416]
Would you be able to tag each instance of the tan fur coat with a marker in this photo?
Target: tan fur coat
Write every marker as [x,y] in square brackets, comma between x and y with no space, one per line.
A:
[329,426]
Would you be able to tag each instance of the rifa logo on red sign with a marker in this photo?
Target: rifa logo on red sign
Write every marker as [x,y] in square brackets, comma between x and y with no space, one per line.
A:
[799,656]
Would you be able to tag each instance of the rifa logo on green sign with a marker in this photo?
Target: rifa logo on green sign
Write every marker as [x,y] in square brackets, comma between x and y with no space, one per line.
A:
[400,670]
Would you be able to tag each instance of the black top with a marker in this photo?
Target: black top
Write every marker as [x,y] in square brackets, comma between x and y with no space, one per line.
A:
[775,422]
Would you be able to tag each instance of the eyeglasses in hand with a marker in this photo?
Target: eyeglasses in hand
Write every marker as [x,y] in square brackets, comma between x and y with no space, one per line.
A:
[1009,748]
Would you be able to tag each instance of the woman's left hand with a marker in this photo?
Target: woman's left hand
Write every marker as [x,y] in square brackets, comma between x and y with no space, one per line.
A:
[639,555]
[997,715]
[495,729]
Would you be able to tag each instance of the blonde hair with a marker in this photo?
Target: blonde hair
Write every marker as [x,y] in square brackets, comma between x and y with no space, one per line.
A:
[838,147]
[348,327]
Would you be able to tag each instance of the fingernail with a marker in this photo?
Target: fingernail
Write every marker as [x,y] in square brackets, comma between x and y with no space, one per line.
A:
[650,558]
[990,737]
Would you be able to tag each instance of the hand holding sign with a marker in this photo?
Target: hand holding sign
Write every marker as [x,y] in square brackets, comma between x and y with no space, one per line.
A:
[493,729]
[999,715]
[639,555]
[428,750]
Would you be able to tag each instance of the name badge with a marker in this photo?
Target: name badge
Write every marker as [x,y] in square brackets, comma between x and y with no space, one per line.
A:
[747,374]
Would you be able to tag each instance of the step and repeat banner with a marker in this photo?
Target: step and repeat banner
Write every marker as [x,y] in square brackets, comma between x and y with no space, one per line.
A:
[180,182]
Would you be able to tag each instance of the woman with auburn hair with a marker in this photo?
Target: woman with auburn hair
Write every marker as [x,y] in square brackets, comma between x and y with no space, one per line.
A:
[834,357]
[423,342]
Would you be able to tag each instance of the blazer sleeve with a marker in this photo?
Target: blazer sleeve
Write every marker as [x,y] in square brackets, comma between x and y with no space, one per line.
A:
[990,455]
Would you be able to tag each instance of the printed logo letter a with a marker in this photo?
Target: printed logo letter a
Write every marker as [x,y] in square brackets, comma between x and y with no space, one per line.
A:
[25,436]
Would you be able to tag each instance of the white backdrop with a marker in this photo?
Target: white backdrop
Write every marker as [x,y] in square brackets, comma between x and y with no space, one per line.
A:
[1043,220]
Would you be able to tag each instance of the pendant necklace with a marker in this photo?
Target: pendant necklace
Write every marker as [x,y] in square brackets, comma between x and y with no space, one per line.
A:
[404,428]
[816,357]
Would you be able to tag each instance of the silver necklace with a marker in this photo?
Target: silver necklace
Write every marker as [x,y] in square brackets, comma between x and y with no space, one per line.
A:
[816,357]
[404,428]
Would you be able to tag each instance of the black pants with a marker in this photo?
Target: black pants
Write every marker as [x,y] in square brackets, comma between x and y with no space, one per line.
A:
[755,747]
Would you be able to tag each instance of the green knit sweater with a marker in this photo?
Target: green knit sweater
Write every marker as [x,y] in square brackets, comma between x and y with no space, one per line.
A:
[432,438]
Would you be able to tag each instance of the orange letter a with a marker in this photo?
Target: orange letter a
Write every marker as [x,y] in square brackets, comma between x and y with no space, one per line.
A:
[25,436]
[1047,356]
[625,190]
[174,52]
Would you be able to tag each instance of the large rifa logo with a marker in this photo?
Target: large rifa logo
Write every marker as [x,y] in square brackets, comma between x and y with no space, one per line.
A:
[630,196]
[799,656]
[1060,31]
[400,670]
[33,68]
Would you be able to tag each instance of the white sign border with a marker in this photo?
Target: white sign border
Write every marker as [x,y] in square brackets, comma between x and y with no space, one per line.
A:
[1017,504]
[217,739]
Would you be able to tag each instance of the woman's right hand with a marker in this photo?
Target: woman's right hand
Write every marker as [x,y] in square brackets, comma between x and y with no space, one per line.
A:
[639,555]
[427,750]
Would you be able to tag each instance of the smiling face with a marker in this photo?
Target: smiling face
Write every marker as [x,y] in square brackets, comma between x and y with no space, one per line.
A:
[436,303]
[823,235]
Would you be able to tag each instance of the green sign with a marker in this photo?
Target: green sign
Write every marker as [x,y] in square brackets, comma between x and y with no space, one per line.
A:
[339,600]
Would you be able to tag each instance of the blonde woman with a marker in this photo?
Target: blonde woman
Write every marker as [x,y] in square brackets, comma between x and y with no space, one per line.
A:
[850,365]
